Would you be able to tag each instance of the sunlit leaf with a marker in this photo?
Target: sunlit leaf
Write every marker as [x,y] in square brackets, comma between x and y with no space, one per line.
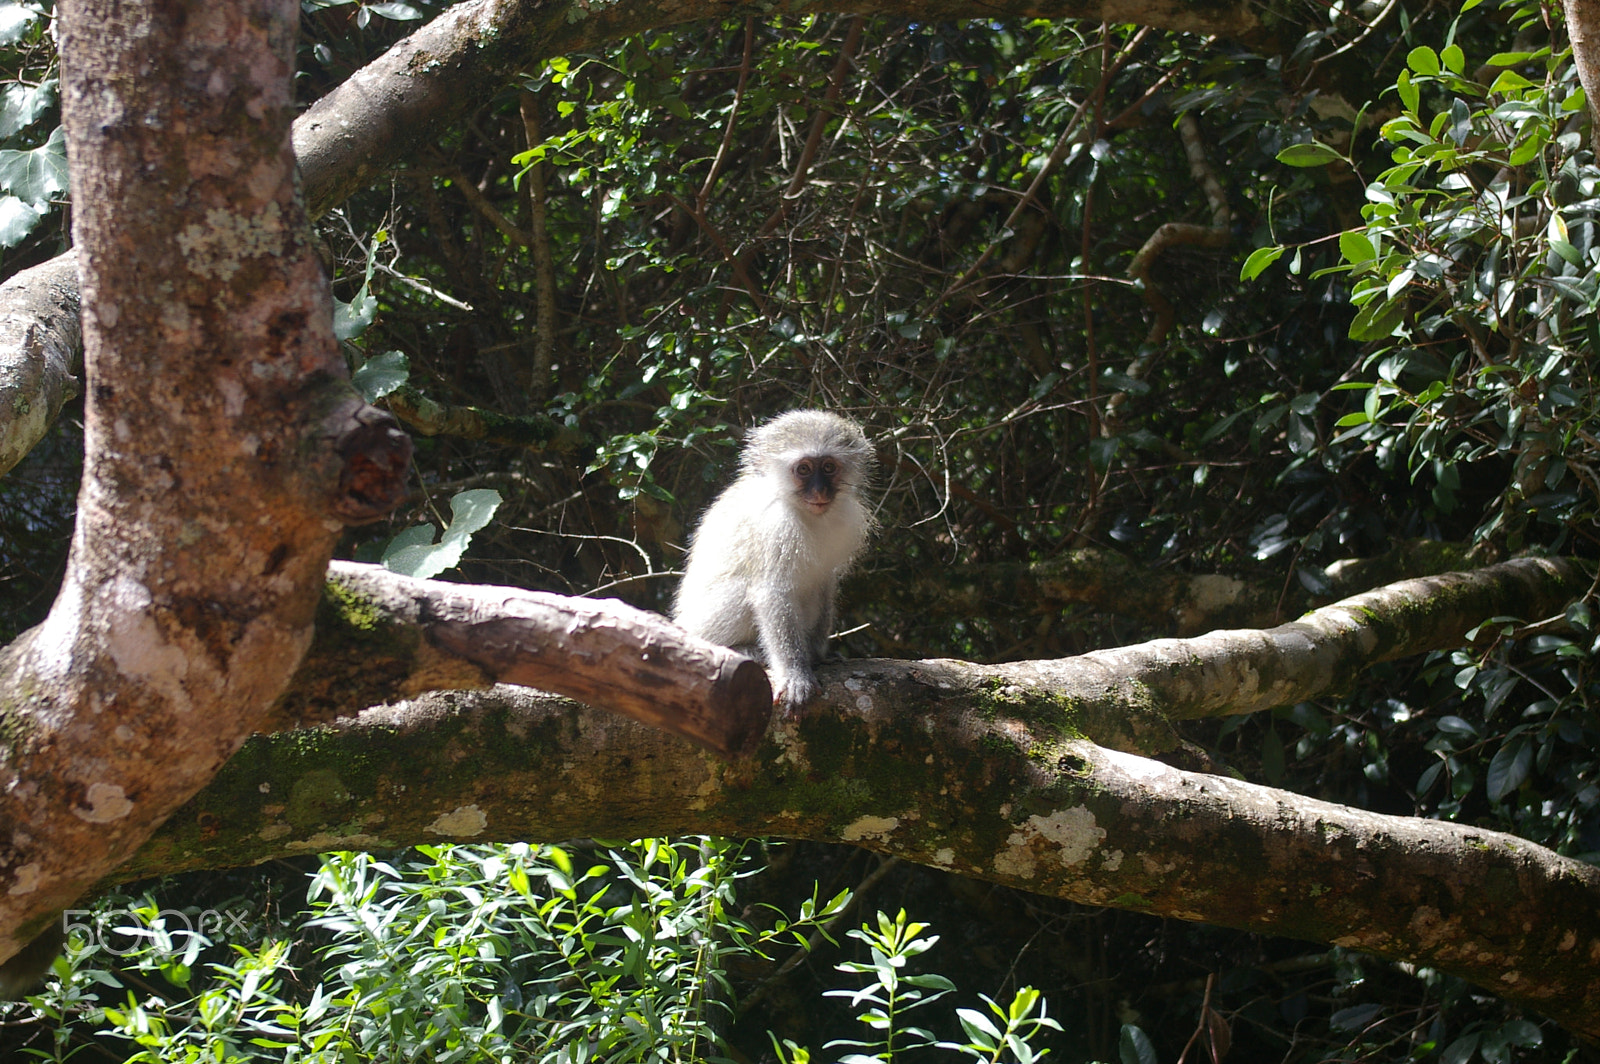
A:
[22,105]
[1423,60]
[17,220]
[1356,247]
[381,374]
[15,20]
[37,175]
[413,552]
[1311,153]
[1259,260]
[1408,91]
[397,12]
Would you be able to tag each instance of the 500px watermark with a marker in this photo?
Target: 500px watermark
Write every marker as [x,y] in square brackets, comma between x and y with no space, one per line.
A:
[121,932]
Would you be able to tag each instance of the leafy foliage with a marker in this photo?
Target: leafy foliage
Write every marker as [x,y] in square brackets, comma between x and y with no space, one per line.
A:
[33,147]
[462,953]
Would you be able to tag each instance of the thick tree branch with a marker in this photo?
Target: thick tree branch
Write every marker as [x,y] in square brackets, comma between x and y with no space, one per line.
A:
[41,352]
[1183,603]
[933,774]
[537,432]
[1231,672]
[382,637]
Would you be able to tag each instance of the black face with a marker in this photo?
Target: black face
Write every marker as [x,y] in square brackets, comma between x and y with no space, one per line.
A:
[816,481]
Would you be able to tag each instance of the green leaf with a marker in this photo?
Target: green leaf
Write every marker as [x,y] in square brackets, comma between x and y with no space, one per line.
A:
[22,105]
[413,552]
[1567,252]
[979,1027]
[1378,320]
[34,176]
[1408,92]
[1528,150]
[1460,1051]
[1259,260]
[1429,777]
[1102,451]
[15,20]
[1135,1047]
[1356,248]
[1311,153]
[1223,426]
[1398,282]
[1423,60]
[1522,1033]
[381,374]
[1454,59]
[1355,1017]
[17,220]
[1509,768]
[351,319]
[396,12]
[1510,81]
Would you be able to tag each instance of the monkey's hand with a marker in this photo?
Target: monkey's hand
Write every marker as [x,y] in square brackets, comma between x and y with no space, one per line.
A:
[791,691]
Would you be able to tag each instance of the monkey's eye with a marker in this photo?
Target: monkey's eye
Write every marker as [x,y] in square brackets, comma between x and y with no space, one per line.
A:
[830,468]
[803,469]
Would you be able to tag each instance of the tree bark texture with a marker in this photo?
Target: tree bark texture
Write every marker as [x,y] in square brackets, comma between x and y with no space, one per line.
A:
[1184,604]
[941,777]
[1231,672]
[1583,30]
[382,637]
[41,352]
[216,399]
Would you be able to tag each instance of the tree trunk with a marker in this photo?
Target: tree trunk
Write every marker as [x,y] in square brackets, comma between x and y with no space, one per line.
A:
[223,441]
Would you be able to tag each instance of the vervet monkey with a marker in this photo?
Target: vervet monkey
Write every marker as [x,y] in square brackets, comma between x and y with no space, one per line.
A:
[765,563]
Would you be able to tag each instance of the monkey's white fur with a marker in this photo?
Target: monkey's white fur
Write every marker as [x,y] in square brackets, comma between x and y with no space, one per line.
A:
[763,568]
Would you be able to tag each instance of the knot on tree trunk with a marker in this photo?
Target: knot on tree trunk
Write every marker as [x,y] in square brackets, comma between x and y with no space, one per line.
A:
[375,455]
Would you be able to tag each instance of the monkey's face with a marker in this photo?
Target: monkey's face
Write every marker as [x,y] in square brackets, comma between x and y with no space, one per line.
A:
[816,482]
